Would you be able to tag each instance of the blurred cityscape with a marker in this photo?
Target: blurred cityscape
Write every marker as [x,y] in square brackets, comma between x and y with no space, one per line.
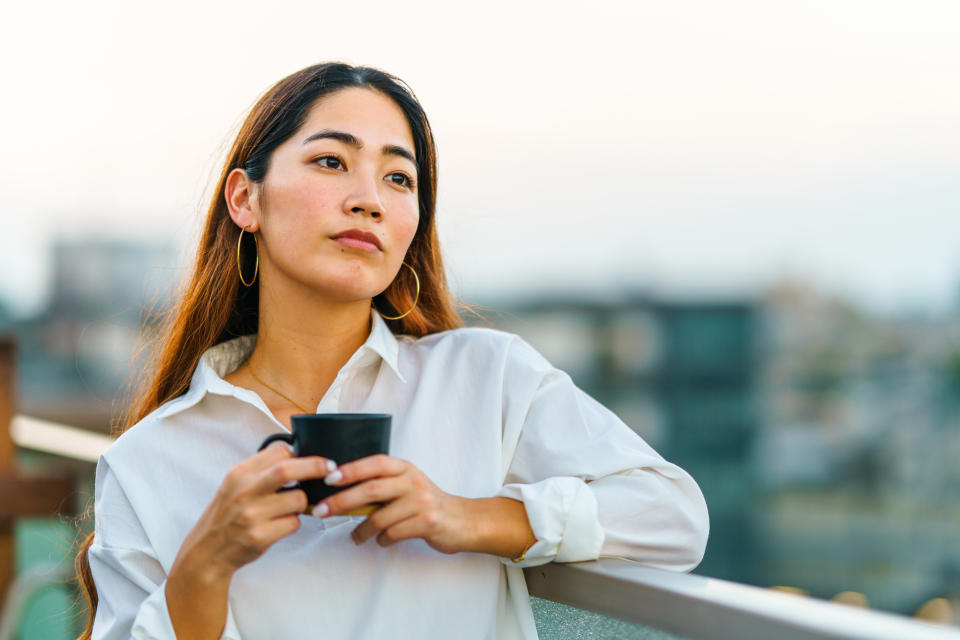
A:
[825,439]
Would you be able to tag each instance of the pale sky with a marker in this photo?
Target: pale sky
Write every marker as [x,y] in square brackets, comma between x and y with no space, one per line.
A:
[692,148]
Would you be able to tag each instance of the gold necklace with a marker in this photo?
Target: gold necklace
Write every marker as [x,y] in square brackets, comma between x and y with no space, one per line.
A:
[276,391]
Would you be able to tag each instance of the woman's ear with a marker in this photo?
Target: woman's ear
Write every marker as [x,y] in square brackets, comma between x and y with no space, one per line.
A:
[239,193]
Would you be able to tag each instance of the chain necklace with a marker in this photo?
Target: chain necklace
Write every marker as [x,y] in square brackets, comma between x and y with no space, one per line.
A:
[276,391]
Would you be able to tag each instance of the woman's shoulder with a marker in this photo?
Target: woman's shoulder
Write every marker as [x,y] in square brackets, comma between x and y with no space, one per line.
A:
[145,434]
[478,344]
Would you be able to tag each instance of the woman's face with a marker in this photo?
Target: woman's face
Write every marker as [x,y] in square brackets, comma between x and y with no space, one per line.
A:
[338,207]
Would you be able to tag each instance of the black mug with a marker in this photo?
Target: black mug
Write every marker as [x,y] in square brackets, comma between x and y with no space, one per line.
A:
[341,437]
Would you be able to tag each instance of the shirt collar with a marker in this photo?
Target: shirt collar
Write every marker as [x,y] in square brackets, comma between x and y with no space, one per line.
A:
[224,358]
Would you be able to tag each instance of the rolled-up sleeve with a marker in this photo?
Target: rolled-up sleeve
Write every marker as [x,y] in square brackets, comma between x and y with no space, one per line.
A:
[131,583]
[591,486]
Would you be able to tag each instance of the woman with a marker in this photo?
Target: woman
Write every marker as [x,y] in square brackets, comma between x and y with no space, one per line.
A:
[318,287]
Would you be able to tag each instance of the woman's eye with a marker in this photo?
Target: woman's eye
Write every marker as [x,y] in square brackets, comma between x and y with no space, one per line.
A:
[330,162]
[401,179]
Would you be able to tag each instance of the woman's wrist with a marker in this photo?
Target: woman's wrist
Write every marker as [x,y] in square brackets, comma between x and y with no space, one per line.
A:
[500,527]
[197,567]
[196,596]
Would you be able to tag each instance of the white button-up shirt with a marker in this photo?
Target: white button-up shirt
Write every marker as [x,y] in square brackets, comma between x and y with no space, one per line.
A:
[479,411]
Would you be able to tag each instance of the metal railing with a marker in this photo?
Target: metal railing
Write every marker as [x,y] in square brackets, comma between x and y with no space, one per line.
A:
[689,605]
[711,609]
[57,439]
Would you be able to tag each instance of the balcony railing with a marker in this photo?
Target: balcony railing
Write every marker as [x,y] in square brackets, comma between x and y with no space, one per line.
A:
[699,607]
[688,605]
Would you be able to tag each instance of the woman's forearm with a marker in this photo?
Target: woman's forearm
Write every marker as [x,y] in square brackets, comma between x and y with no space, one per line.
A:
[501,527]
[197,601]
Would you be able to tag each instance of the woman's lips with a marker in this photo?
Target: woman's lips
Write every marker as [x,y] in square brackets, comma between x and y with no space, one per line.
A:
[358,239]
[357,243]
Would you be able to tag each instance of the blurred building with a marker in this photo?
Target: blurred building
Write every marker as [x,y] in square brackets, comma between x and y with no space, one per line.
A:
[76,354]
[858,451]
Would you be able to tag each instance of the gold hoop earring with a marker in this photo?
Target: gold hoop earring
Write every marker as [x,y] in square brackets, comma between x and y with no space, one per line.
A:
[416,297]
[256,267]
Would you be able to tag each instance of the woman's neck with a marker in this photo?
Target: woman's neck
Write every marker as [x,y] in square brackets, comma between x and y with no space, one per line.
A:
[301,347]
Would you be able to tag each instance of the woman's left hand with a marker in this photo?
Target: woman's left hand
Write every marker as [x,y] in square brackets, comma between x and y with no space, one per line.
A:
[414,506]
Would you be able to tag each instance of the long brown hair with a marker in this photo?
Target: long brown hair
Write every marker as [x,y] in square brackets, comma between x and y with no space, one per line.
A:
[213,307]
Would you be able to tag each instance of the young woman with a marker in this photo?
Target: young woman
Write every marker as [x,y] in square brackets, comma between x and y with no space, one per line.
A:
[318,287]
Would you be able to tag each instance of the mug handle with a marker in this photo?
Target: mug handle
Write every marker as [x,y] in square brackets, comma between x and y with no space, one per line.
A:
[289,439]
[286,437]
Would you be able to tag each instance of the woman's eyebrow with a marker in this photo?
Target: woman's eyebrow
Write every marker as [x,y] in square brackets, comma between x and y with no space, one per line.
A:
[353,141]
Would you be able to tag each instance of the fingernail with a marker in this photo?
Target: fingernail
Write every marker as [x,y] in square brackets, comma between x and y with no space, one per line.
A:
[321,510]
[331,465]
[335,476]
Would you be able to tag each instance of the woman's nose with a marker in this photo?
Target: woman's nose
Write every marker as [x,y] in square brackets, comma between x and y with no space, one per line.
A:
[364,198]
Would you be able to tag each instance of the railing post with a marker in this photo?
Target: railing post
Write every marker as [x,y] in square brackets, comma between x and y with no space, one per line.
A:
[21,494]
[7,396]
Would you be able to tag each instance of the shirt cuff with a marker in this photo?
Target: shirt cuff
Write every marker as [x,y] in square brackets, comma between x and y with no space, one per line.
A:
[153,619]
[563,515]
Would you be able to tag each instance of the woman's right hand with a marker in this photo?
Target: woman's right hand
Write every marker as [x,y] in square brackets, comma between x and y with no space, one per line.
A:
[247,514]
